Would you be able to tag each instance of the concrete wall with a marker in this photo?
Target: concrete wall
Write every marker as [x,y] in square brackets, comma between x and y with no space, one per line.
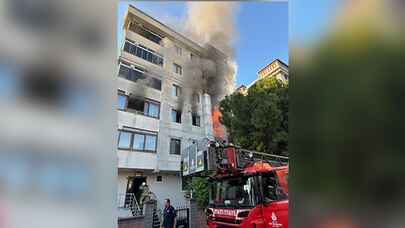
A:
[186,132]
[170,187]
[162,162]
[133,222]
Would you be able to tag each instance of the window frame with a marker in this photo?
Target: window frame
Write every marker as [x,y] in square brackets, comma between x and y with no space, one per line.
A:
[177,113]
[146,107]
[140,69]
[149,102]
[122,93]
[195,115]
[177,90]
[132,139]
[159,62]
[177,69]
[170,146]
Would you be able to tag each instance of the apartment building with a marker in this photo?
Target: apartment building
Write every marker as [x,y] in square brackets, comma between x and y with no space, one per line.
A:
[158,112]
[276,68]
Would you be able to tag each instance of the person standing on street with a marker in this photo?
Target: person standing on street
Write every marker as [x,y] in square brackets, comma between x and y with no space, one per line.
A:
[169,215]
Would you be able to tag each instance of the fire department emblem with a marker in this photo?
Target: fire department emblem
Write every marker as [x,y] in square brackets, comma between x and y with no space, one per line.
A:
[274,222]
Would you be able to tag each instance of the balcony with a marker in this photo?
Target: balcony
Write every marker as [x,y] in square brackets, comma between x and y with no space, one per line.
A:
[143,52]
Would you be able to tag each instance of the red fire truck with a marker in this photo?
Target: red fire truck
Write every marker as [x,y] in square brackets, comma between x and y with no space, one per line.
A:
[248,189]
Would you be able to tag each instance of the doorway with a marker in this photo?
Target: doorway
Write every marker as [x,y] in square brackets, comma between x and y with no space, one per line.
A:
[134,186]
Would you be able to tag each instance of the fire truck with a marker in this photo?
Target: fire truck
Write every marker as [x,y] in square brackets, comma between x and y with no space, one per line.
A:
[247,188]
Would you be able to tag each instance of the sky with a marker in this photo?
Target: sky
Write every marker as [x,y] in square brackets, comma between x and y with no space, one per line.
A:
[262,28]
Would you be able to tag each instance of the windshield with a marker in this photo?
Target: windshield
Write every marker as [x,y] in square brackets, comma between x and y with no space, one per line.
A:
[235,192]
[273,189]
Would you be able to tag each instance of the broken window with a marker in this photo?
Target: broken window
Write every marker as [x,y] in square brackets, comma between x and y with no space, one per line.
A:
[176,116]
[196,119]
[136,104]
[145,107]
[177,69]
[175,146]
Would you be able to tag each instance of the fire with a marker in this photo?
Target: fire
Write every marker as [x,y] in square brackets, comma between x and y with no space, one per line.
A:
[219,129]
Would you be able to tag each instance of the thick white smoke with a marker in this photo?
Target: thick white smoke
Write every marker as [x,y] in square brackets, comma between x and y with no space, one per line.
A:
[213,24]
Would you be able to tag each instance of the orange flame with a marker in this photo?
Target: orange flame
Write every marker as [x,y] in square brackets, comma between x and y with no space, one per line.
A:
[219,129]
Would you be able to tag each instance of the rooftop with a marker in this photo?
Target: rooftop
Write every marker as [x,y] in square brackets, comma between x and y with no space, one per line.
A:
[166,31]
[276,60]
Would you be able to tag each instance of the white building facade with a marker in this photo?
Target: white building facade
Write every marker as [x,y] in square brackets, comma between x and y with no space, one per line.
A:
[158,114]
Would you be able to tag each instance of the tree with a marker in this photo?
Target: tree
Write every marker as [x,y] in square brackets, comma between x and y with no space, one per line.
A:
[259,119]
[200,188]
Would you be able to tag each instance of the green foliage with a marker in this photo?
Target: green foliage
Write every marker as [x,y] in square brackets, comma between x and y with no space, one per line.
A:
[258,120]
[200,187]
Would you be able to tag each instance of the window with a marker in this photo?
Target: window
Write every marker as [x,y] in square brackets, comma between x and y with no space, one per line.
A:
[175,146]
[152,109]
[136,104]
[150,142]
[145,33]
[143,52]
[159,178]
[192,56]
[122,101]
[176,116]
[176,90]
[145,107]
[195,119]
[233,192]
[124,140]
[179,51]
[135,73]
[177,69]
[140,141]
[272,190]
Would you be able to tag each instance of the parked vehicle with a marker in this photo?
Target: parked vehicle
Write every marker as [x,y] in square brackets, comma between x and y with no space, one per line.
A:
[248,189]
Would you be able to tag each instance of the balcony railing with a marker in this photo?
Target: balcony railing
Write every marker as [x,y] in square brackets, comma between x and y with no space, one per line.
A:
[143,52]
[127,201]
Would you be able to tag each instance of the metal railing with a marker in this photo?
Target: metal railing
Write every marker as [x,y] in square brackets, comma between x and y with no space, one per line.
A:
[128,201]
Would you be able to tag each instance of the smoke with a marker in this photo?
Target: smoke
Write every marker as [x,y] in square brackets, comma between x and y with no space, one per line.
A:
[212,24]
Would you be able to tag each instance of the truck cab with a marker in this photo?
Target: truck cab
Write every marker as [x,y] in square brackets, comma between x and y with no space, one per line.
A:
[247,188]
[253,196]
